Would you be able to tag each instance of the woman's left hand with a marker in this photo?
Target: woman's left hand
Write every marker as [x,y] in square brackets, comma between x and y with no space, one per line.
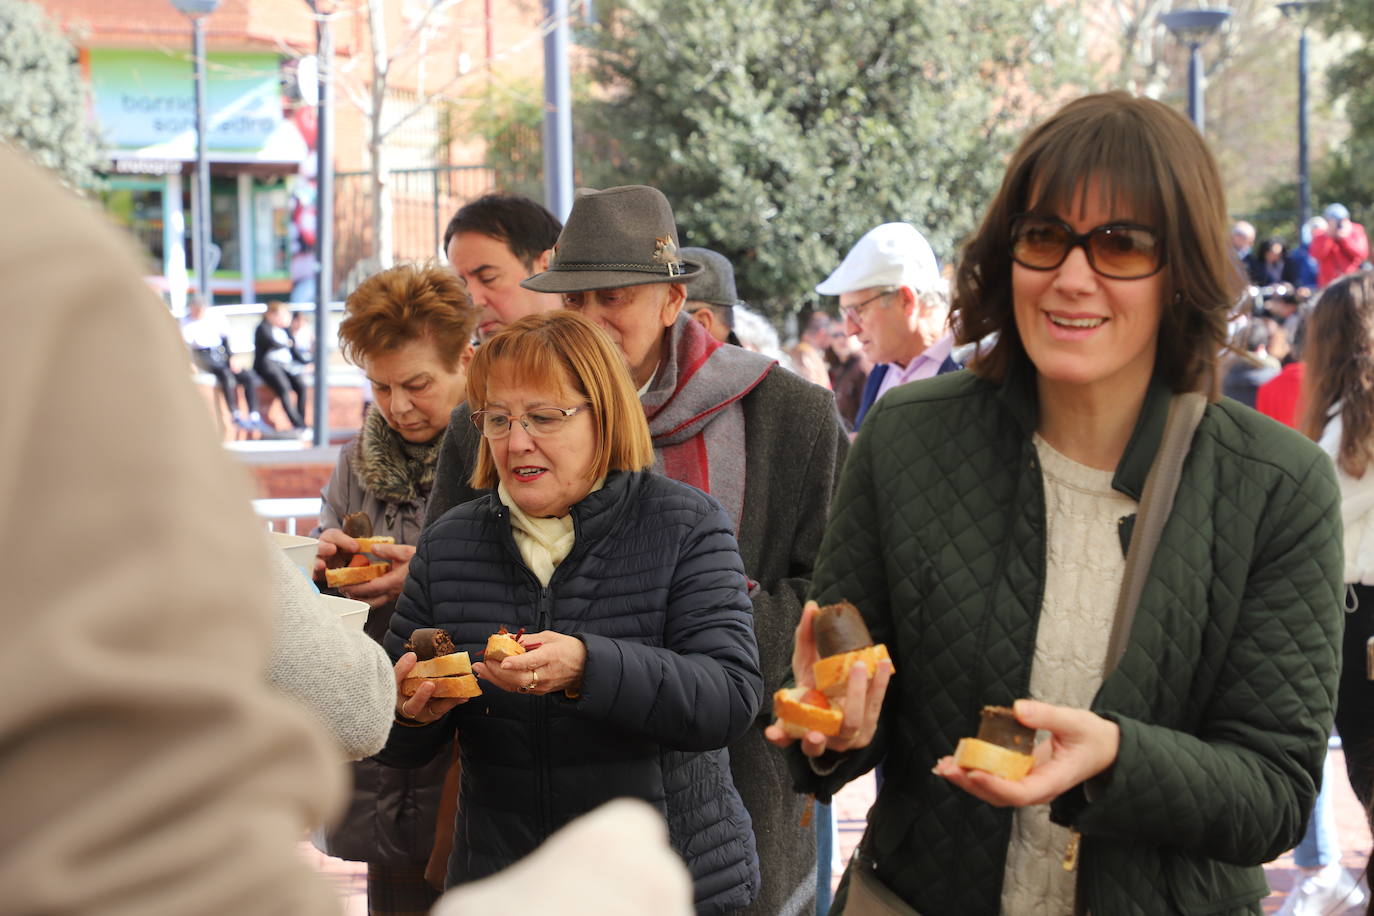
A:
[1081,745]
[386,587]
[556,664]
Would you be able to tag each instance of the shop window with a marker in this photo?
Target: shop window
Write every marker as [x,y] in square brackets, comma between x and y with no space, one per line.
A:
[137,206]
[271,228]
[224,224]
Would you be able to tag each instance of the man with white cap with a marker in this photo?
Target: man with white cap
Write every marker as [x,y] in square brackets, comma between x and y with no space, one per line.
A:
[1339,249]
[894,300]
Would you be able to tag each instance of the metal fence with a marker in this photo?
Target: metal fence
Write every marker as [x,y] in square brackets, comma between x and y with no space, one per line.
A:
[422,202]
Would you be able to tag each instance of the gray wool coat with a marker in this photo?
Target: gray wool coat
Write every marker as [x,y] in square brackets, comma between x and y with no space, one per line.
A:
[391,814]
[795,444]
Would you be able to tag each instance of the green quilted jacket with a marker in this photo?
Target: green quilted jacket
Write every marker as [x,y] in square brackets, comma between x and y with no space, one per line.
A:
[1224,696]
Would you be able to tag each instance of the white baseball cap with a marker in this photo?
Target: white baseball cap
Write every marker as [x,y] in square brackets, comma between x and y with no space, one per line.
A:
[893,254]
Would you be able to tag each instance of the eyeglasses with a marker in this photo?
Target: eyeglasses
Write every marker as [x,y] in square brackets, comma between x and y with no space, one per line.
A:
[1119,251]
[855,313]
[540,422]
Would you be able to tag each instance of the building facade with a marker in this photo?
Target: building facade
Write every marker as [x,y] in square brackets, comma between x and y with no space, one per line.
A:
[261,79]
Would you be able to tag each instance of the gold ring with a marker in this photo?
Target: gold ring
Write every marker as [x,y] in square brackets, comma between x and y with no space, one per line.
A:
[534,682]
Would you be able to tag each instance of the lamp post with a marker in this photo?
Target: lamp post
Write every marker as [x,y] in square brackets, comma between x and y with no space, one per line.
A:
[558,170]
[196,11]
[1193,27]
[1302,12]
[323,11]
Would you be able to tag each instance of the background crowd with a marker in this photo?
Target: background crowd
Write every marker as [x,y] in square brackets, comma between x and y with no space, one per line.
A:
[629,470]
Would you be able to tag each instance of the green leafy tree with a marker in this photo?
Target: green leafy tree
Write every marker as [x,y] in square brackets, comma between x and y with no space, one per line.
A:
[782,130]
[1344,175]
[42,101]
[1342,171]
[509,119]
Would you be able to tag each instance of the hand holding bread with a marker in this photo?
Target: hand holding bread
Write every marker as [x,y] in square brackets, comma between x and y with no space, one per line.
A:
[549,662]
[1082,746]
[365,567]
[386,586]
[855,688]
[422,707]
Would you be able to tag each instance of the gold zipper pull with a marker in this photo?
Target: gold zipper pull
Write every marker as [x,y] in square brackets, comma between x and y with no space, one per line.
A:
[1071,851]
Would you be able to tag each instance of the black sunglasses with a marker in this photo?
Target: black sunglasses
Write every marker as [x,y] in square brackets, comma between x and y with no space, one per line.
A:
[1120,251]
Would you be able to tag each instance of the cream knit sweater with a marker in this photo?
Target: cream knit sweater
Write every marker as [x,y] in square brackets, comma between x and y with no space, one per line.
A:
[340,675]
[1082,579]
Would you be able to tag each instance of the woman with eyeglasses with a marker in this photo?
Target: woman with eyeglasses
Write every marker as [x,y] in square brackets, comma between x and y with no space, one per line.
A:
[982,526]
[641,663]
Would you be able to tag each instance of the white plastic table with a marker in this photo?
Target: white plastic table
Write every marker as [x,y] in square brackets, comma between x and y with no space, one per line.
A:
[287,510]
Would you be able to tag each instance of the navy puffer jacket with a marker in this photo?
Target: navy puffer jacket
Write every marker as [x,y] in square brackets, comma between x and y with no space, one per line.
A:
[655,588]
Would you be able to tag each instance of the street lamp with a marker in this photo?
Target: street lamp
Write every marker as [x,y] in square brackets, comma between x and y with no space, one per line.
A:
[197,10]
[1302,12]
[558,170]
[1193,27]
[323,12]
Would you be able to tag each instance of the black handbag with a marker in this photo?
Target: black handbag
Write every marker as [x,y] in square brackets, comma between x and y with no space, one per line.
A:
[211,358]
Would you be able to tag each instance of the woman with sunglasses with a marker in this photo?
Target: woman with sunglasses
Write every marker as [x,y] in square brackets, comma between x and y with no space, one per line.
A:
[641,663]
[981,527]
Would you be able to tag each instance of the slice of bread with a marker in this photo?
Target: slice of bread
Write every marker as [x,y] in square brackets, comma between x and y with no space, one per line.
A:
[462,685]
[832,672]
[798,718]
[501,646]
[976,754]
[365,545]
[354,575]
[455,663]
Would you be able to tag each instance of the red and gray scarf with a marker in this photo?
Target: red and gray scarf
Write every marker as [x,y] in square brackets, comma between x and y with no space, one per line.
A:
[695,413]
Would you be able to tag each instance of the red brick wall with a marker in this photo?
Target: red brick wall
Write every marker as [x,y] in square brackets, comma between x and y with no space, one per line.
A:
[291,481]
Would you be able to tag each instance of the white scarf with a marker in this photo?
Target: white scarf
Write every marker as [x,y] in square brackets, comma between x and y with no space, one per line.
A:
[543,542]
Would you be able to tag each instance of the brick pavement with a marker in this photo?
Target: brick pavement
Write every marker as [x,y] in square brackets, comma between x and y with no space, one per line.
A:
[851,807]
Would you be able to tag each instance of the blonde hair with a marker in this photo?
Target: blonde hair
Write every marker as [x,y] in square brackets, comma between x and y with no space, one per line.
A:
[562,349]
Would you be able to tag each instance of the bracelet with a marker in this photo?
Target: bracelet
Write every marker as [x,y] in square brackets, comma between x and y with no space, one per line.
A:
[403,719]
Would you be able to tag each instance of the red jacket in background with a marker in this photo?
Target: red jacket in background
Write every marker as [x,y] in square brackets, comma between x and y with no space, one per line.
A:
[1278,397]
[1337,256]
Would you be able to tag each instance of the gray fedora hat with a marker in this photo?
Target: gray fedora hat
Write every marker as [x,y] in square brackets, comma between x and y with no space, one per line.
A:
[618,237]
[715,285]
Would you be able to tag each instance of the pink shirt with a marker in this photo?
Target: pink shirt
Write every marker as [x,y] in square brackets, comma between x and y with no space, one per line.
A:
[927,365]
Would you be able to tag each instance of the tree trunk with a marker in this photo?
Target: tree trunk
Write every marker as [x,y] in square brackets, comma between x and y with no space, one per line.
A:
[379,179]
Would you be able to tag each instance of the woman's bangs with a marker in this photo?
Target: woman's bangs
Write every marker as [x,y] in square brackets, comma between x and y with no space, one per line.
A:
[1121,166]
[525,360]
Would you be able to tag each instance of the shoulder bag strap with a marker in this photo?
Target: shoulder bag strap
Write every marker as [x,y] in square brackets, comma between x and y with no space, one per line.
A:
[1161,485]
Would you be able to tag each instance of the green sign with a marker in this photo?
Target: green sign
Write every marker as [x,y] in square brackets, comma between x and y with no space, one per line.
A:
[145,101]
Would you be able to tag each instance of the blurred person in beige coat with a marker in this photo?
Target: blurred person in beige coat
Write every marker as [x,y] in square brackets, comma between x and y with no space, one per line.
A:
[146,766]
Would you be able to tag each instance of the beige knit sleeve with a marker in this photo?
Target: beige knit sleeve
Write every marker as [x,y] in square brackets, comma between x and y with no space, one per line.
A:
[147,768]
[341,676]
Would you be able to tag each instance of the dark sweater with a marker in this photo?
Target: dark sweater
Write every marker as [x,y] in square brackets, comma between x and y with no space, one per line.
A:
[655,589]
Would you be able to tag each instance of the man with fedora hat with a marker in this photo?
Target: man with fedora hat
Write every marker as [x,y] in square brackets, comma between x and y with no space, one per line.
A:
[711,296]
[894,300]
[765,443]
